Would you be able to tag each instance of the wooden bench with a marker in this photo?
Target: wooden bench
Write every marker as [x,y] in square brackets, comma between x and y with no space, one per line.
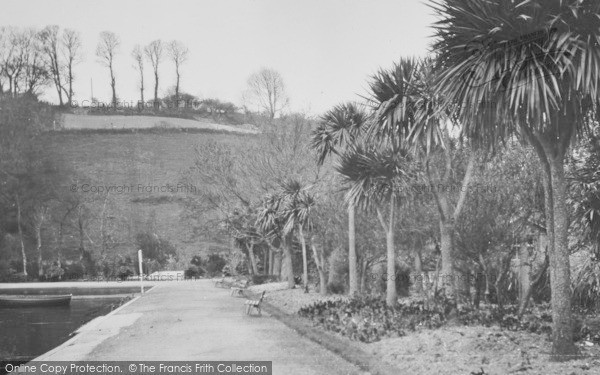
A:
[238,289]
[254,304]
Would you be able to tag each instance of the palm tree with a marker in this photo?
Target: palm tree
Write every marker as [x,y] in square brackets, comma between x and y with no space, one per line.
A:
[407,109]
[241,225]
[297,205]
[379,178]
[527,68]
[270,221]
[340,127]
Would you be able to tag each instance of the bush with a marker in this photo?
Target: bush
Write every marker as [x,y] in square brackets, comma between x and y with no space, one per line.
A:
[193,272]
[123,272]
[336,287]
[402,279]
[18,277]
[155,248]
[74,271]
[5,270]
[215,264]
[369,319]
[262,279]
[54,272]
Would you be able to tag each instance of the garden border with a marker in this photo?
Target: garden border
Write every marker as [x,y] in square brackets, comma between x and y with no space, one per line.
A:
[344,348]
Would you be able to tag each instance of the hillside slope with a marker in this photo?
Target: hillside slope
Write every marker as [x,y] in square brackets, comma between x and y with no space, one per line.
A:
[142,165]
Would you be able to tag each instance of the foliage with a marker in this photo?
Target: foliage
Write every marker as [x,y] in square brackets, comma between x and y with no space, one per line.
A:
[193,272]
[155,248]
[215,264]
[336,287]
[123,272]
[54,272]
[5,270]
[369,319]
[402,279]
[262,279]
[74,271]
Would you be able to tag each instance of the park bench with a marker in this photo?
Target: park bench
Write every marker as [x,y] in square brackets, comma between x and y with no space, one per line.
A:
[254,304]
[237,290]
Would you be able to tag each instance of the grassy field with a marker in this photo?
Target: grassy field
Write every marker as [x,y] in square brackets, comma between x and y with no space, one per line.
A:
[136,166]
[74,121]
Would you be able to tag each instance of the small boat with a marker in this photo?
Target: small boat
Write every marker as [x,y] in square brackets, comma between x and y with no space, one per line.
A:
[35,301]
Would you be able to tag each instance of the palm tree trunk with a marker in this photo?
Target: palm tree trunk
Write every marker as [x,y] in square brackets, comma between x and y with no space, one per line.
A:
[391,294]
[288,266]
[363,276]
[277,263]
[524,273]
[253,267]
[20,228]
[352,269]
[552,161]
[304,259]
[447,270]
[320,269]
[563,347]
[38,242]
[266,254]
[418,272]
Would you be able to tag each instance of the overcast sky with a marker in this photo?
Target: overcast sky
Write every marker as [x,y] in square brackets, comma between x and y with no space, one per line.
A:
[324,49]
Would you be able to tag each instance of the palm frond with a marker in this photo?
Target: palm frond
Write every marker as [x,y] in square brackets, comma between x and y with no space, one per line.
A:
[373,174]
[337,128]
[505,64]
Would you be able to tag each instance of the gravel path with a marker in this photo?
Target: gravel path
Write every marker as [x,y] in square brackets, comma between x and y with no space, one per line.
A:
[193,320]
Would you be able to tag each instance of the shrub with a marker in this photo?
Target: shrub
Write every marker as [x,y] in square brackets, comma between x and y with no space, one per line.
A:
[74,271]
[215,264]
[193,272]
[5,270]
[123,272]
[402,279]
[336,287]
[54,272]
[155,248]
[261,279]
[369,319]
[18,277]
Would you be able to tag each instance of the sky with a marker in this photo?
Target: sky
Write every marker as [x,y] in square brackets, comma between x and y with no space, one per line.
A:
[325,50]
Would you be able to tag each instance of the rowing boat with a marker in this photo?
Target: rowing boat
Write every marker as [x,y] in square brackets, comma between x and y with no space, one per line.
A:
[35,301]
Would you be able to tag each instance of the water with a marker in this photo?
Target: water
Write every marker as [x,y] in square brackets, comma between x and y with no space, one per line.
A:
[26,333]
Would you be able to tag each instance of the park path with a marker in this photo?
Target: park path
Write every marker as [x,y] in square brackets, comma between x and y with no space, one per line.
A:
[192,320]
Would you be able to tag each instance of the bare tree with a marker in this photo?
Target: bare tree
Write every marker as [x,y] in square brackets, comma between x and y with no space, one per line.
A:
[4,51]
[35,74]
[267,91]
[49,38]
[21,61]
[71,50]
[138,56]
[179,55]
[13,62]
[106,51]
[154,52]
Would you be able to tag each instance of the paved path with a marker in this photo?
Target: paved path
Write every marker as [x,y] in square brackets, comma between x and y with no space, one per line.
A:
[192,320]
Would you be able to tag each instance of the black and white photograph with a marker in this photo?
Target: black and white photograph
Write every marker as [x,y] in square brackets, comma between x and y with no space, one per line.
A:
[300,187]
